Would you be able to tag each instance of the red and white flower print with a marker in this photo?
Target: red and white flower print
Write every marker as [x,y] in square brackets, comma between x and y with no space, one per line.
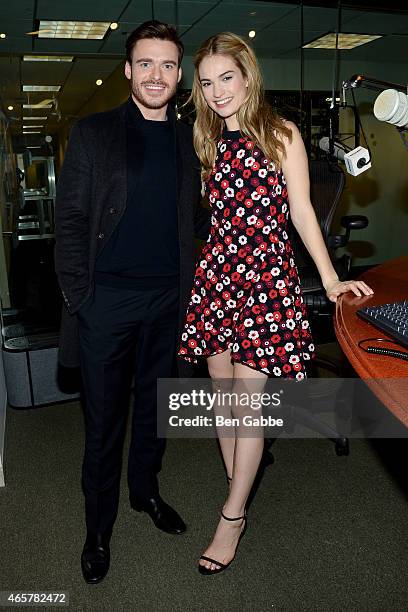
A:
[246,295]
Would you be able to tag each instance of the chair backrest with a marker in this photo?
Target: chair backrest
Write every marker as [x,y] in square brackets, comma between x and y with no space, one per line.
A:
[326,186]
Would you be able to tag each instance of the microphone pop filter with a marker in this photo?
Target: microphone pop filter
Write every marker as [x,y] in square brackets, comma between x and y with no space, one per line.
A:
[392,106]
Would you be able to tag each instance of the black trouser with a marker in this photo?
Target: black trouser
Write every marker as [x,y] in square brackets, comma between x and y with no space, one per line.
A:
[123,334]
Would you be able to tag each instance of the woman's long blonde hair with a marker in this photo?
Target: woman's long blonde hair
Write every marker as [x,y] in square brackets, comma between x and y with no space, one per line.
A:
[256,118]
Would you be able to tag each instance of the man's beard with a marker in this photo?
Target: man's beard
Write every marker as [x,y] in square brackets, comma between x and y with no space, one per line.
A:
[147,102]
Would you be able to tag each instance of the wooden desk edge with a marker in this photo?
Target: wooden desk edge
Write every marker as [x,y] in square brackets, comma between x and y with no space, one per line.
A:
[353,354]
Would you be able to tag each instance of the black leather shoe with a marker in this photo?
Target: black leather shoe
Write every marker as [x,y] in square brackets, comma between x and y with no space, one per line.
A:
[162,515]
[95,558]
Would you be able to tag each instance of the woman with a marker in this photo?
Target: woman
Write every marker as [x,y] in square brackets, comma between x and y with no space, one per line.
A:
[246,314]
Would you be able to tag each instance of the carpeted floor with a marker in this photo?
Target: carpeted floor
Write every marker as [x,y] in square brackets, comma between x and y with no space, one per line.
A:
[324,532]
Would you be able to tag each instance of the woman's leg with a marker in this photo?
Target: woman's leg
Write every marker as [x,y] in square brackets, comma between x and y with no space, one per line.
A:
[221,371]
[249,444]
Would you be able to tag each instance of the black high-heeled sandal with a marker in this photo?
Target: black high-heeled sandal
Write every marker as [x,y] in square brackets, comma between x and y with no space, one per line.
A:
[205,571]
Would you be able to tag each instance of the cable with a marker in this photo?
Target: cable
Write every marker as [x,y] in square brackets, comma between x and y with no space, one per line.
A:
[336,58]
[334,83]
[360,125]
[382,351]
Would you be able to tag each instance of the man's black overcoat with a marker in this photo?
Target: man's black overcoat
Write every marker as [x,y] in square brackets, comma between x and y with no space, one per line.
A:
[91,199]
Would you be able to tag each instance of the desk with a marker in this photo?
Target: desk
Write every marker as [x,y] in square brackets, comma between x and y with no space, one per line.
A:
[390,284]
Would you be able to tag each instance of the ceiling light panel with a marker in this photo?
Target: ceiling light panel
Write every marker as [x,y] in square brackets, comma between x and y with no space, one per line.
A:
[41,87]
[34,118]
[37,106]
[345,41]
[48,58]
[90,30]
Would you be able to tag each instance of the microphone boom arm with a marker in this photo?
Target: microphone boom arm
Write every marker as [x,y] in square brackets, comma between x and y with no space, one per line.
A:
[359,80]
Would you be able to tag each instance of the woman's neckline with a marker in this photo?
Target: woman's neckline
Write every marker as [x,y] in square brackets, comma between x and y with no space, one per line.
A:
[231,134]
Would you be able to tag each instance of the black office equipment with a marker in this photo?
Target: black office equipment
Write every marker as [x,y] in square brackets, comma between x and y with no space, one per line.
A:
[30,363]
[327,183]
[391,318]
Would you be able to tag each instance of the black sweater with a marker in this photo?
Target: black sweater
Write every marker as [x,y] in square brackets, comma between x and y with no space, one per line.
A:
[143,251]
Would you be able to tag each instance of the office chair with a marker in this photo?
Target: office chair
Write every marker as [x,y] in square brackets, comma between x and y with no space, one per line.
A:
[326,186]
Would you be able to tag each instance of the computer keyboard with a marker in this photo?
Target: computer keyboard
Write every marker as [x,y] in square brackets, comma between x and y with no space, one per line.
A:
[391,318]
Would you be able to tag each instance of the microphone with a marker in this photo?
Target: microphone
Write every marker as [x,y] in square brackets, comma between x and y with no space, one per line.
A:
[392,106]
[339,149]
[356,160]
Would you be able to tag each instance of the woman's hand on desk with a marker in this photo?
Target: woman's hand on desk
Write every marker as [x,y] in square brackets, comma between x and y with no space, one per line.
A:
[336,288]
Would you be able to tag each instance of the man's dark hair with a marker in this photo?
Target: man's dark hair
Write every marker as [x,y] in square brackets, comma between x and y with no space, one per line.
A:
[153,29]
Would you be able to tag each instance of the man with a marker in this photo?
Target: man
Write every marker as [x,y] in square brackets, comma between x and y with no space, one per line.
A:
[127,212]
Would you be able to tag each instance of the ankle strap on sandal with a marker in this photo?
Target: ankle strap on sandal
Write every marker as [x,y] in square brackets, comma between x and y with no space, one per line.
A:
[227,518]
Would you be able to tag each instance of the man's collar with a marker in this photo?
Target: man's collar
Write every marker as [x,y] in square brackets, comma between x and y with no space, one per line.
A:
[135,115]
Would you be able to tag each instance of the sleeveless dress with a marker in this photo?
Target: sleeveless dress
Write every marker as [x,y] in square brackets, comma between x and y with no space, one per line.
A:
[246,295]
